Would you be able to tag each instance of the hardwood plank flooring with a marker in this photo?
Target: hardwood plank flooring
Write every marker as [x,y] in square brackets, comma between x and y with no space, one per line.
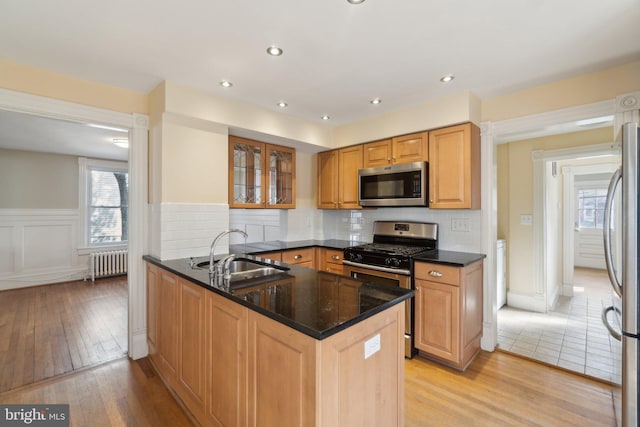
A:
[122,392]
[53,329]
[498,389]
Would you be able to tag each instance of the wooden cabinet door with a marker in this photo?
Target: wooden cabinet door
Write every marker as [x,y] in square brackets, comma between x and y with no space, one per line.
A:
[330,260]
[282,375]
[410,148]
[377,153]
[168,326]
[328,179]
[227,362]
[437,319]
[454,167]
[350,160]
[246,163]
[191,345]
[280,174]
[153,288]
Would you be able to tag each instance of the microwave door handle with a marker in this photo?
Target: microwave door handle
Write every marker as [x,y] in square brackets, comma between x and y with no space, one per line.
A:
[606,231]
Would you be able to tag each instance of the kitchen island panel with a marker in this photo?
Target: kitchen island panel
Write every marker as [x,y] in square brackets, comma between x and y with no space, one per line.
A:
[226,369]
[282,369]
[362,373]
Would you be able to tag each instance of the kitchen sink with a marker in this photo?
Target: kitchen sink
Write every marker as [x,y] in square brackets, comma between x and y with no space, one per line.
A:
[245,269]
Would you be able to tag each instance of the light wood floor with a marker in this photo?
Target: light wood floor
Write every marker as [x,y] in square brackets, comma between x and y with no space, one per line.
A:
[498,389]
[53,329]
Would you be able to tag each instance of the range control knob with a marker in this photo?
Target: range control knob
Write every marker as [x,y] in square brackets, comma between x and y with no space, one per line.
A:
[355,257]
[393,262]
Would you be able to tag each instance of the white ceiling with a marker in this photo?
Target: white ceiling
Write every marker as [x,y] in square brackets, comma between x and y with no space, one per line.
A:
[337,56]
[20,131]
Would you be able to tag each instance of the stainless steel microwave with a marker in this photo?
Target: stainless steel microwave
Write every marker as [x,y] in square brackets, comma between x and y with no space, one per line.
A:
[404,184]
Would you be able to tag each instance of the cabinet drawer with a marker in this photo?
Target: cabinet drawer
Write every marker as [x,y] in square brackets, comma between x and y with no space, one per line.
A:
[333,256]
[298,256]
[437,273]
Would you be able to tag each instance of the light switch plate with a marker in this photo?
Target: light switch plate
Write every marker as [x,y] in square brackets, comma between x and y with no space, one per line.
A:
[526,219]
[371,346]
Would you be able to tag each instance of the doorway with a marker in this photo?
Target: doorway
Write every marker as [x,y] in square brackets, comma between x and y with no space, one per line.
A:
[138,126]
[559,323]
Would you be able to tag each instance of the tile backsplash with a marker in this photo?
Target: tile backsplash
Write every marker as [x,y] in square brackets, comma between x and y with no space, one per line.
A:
[459,230]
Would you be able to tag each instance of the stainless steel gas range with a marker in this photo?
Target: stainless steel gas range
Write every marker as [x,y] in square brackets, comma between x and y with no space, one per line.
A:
[388,260]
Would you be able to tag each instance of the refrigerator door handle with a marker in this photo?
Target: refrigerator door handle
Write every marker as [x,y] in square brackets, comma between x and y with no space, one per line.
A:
[606,231]
[617,335]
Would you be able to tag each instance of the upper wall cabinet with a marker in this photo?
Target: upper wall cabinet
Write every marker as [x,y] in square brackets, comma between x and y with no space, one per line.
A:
[454,167]
[338,178]
[261,175]
[400,149]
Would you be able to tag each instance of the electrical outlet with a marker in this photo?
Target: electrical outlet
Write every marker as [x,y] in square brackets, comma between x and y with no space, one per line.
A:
[460,224]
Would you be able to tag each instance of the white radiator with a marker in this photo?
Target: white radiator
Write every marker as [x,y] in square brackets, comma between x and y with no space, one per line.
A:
[108,263]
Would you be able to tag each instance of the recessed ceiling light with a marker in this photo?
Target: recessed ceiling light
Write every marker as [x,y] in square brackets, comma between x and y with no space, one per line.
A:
[274,51]
[447,78]
[355,1]
[282,104]
[121,142]
[325,117]
[376,101]
[226,83]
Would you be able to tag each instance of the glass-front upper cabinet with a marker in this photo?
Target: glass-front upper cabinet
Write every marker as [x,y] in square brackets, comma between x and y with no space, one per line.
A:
[261,175]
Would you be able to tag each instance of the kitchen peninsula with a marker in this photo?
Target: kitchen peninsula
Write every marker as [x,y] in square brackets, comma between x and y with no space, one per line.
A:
[298,347]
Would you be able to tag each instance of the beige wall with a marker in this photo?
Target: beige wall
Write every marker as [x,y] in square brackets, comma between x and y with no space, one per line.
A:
[197,104]
[579,90]
[515,197]
[36,81]
[31,180]
[458,108]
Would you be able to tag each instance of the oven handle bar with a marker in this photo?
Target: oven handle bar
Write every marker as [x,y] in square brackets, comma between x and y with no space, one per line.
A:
[378,268]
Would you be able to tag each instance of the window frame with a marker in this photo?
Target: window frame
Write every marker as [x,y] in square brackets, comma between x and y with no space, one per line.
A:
[586,186]
[86,165]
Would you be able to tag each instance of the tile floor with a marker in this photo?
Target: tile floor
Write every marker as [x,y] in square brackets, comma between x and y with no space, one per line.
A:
[572,336]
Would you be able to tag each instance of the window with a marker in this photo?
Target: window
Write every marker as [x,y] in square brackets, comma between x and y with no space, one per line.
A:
[591,207]
[104,202]
[108,210]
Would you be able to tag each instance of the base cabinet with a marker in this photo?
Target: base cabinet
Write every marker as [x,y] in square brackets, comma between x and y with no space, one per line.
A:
[226,362]
[256,371]
[448,307]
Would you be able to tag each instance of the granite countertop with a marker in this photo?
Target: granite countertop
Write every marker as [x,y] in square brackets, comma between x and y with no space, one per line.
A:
[316,303]
[279,245]
[458,259]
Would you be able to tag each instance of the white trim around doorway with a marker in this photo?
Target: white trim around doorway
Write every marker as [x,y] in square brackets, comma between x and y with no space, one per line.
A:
[503,131]
[138,125]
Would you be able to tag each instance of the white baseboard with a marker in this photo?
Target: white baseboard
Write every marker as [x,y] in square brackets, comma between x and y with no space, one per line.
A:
[139,348]
[567,290]
[25,280]
[488,342]
[526,302]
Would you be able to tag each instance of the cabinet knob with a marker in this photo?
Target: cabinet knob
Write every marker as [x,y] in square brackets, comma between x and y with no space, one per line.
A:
[297,257]
[336,257]
[435,273]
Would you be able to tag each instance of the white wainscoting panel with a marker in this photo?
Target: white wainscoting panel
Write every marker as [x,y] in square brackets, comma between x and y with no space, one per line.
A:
[38,246]
[7,252]
[48,246]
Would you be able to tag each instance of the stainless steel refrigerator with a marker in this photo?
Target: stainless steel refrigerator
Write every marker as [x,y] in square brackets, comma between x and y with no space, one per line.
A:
[621,318]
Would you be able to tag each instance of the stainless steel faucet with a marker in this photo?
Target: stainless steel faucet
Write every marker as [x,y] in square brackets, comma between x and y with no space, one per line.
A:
[213,249]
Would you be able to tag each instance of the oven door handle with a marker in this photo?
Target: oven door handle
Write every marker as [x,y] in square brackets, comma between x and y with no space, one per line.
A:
[378,268]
